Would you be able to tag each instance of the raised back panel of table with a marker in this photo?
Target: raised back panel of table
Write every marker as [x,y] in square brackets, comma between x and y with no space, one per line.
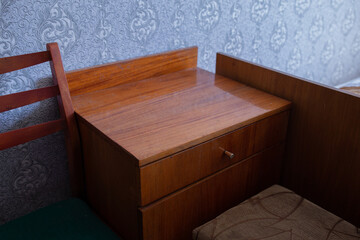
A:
[116,73]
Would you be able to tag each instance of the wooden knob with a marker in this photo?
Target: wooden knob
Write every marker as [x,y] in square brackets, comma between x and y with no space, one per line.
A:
[229,154]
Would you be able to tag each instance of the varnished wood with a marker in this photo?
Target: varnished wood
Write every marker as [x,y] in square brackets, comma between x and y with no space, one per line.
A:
[175,217]
[322,161]
[150,137]
[113,74]
[20,99]
[163,115]
[9,64]
[112,182]
[67,112]
[23,135]
[270,131]
[179,170]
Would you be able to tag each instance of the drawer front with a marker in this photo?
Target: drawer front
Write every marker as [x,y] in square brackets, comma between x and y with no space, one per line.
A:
[179,170]
[174,217]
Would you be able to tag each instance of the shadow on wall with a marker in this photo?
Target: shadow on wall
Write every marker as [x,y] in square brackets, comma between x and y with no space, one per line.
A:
[34,174]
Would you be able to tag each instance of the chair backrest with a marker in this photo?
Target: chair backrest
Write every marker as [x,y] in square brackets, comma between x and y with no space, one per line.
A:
[67,122]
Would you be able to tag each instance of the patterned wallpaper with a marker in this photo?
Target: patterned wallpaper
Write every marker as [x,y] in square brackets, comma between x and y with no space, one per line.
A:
[318,40]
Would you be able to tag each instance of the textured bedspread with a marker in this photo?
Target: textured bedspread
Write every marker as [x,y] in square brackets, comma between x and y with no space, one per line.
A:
[276,213]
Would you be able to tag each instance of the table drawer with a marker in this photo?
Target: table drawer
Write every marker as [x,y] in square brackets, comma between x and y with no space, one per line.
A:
[175,216]
[179,170]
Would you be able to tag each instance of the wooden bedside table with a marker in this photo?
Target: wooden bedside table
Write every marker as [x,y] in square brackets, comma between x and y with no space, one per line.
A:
[168,146]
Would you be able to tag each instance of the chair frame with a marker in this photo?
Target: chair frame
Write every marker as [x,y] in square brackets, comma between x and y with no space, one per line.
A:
[67,122]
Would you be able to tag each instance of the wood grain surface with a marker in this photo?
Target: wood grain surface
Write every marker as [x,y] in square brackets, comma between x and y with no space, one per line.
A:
[112,184]
[179,170]
[159,116]
[113,74]
[175,217]
[322,160]
[155,131]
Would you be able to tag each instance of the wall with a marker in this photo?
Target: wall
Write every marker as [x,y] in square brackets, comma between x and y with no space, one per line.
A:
[318,40]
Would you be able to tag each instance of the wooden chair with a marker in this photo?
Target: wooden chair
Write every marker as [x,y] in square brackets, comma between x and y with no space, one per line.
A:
[72,218]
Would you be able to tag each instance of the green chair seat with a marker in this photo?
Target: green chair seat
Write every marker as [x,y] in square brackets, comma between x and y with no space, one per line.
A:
[69,219]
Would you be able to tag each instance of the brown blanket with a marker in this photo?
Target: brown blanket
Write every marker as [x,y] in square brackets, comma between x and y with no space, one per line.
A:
[276,213]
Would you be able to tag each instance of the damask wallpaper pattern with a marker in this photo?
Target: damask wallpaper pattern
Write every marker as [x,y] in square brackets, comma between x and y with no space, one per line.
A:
[317,40]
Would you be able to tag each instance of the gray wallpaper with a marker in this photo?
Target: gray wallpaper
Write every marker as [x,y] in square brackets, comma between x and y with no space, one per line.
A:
[318,40]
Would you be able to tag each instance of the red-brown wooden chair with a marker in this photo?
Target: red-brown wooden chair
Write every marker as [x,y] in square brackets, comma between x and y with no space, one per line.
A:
[72,218]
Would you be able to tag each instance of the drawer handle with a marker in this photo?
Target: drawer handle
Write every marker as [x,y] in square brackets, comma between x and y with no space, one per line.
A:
[229,154]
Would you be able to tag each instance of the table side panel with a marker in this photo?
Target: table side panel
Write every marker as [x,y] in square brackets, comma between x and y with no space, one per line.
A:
[112,184]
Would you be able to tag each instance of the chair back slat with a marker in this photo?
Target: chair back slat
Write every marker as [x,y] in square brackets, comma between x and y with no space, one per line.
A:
[9,64]
[12,138]
[20,99]
[67,121]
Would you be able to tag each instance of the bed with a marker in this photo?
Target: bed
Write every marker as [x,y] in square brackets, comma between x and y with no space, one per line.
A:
[321,164]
